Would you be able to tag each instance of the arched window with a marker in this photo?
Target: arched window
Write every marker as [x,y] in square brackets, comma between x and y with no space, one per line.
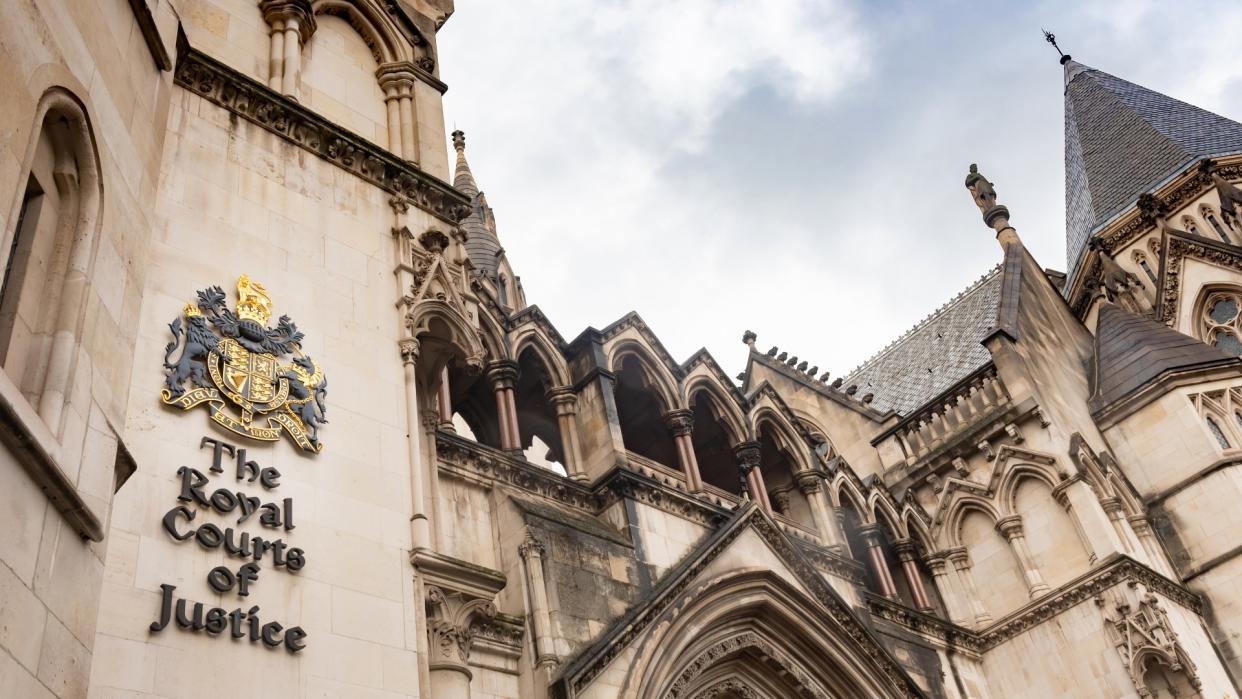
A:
[1141,260]
[1214,221]
[49,256]
[1216,431]
[1219,322]
[1191,227]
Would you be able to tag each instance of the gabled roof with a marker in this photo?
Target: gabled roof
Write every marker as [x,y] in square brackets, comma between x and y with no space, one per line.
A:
[1132,351]
[935,354]
[1122,140]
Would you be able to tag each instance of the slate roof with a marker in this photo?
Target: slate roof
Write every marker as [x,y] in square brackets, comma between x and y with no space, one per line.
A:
[1131,351]
[482,245]
[935,354]
[1122,140]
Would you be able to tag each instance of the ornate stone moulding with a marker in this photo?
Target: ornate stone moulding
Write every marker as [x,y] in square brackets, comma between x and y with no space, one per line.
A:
[251,100]
[1115,572]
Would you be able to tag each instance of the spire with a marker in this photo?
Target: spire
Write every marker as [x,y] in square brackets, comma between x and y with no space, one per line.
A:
[1122,140]
[463,179]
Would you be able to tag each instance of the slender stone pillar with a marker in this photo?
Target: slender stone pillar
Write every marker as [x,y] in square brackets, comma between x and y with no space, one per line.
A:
[392,106]
[444,401]
[565,403]
[748,456]
[938,565]
[531,551]
[1011,528]
[397,80]
[961,565]
[874,540]
[419,524]
[293,59]
[905,553]
[276,56]
[811,485]
[680,423]
[503,374]
[409,121]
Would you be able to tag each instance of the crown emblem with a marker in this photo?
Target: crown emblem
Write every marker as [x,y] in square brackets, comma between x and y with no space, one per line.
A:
[229,357]
[253,303]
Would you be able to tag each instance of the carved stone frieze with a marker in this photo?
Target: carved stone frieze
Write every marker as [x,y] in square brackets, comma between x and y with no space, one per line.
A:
[1178,249]
[1140,629]
[249,99]
[734,645]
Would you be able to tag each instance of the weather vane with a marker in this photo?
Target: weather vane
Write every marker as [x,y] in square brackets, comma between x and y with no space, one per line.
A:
[1052,39]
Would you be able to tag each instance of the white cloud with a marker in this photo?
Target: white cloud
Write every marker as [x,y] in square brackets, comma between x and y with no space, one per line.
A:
[791,166]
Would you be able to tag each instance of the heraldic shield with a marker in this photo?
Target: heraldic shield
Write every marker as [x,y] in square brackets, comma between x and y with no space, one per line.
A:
[234,364]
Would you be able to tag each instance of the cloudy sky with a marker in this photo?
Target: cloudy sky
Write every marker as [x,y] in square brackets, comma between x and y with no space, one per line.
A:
[793,167]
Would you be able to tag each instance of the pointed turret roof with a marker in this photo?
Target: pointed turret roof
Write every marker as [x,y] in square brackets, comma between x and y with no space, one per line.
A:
[482,244]
[1133,351]
[1122,140]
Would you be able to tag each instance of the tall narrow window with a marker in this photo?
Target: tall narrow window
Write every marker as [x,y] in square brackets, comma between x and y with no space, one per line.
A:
[48,256]
[1191,226]
[1217,432]
[1215,222]
[1141,259]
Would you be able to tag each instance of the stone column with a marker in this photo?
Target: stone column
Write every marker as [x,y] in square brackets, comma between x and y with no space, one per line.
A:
[565,402]
[450,616]
[1011,528]
[838,514]
[444,401]
[397,80]
[291,23]
[419,524]
[276,56]
[905,553]
[875,554]
[748,457]
[811,485]
[531,551]
[680,424]
[938,565]
[503,375]
[961,565]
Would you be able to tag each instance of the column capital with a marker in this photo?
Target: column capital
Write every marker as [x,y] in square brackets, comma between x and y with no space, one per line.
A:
[959,557]
[284,11]
[450,619]
[809,482]
[936,562]
[563,399]
[748,456]
[680,422]
[531,547]
[502,373]
[430,420]
[397,75]
[904,548]
[871,534]
[1010,527]
[409,350]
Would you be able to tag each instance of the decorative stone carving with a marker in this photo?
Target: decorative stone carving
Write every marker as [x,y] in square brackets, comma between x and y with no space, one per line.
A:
[450,620]
[1141,631]
[241,95]
[748,456]
[409,350]
[809,483]
[722,651]
[680,422]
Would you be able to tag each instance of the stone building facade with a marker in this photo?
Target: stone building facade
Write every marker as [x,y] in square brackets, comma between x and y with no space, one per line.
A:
[278,419]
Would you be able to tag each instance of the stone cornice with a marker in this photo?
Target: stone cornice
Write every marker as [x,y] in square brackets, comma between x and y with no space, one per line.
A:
[1116,570]
[251,100]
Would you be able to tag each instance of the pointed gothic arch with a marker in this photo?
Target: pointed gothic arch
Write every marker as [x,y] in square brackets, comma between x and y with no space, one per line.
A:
[1216,317]
[372,24]
[754,631]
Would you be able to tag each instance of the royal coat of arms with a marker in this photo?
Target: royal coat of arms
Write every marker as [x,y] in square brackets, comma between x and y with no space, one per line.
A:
[235,358]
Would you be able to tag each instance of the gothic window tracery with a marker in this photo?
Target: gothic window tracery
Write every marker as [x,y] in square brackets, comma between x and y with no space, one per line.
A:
[1141,260]
[1219,322]
[1214,407]
[1214,221]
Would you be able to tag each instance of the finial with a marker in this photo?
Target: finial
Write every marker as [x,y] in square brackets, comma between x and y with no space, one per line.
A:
[748,338]
[1052,39]
[459,140]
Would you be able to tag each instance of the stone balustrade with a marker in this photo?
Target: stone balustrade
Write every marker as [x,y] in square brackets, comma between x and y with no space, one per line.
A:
[953,414]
